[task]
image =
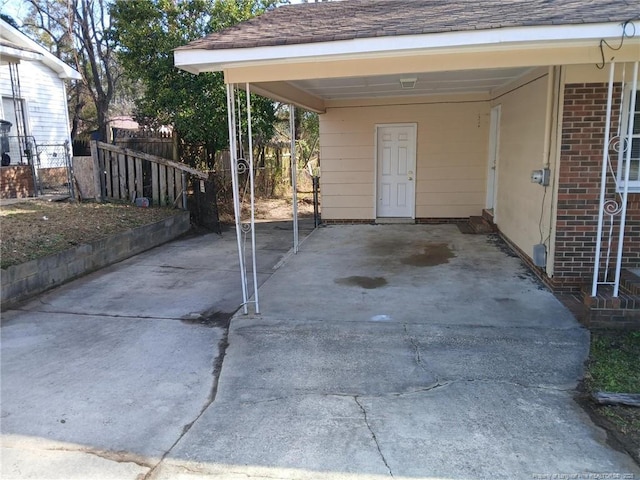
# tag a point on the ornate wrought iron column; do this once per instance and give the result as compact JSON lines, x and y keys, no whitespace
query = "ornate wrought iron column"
{"x":614,"y":207}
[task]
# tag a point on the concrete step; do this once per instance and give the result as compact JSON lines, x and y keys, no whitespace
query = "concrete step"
{"x":481,"y":225}
{"x":605,"y":310}
{"x":487,"y":214}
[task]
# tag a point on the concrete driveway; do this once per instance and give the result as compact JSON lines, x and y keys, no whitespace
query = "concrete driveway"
{"x":400,"y":350}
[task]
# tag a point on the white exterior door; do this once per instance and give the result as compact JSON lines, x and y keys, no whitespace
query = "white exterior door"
{"x":396,"y":167}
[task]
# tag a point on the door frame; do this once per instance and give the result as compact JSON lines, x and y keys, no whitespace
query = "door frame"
{"x":378,"y":126}
{"x":493,"y":158}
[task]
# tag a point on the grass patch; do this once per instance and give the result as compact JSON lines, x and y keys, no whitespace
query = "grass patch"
{"x":37,"y":228}
{"x":614,"y":366}
{"x":614,"y":362}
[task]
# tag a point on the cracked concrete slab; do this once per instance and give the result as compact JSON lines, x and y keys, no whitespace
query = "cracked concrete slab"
{"x":330,"y":430}
{"x":484,"y":429}
{"x":480,"y":285}
{"x":361,"y":358}
{"x":459,"y":370}
{"x":142,"y":286}
{"x":41,"y":464}
{"x":374,"y":357}
{"x":101,"y":377}
{"x":110,"y":383}
{"x":146,"y":291}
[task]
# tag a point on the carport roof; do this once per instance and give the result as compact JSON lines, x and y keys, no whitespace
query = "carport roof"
{"x":319,"y":55}
{"x":357,"y":19}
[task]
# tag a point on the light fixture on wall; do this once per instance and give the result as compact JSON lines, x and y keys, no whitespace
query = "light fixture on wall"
{"x":408,"y":83}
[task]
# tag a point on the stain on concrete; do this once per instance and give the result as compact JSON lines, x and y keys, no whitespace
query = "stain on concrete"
{"x":385,"y":248}
{"x":432,"y":254}
{"x":495,"y":240}
{"x":364,"y":282}
{"x":504,"y":299}
{"x":211,"y":319}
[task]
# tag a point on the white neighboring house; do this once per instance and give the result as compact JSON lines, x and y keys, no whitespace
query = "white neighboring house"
{"x":33,"y":91}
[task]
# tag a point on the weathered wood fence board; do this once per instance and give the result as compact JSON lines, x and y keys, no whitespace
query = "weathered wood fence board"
{"x":160,"y":144}
{"x":125,"y":174}
{"x":610,"y":398}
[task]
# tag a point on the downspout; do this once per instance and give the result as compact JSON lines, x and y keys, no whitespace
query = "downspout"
{"x":556,"y":144}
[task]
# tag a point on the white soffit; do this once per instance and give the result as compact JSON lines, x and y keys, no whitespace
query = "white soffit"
{"x":432,"y":83}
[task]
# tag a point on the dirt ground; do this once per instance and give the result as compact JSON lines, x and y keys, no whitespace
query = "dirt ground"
{"x":621,"y":423}
{"x":613,"y":367}
{"x":36,"y":228}
{"x":270,"y":209}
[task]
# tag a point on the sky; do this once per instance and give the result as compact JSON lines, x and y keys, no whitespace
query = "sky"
{"x":18,"y":8}
{"x":14,"y":8}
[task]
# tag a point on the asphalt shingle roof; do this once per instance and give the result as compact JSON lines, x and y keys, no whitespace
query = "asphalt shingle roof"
{"x":354,"y":19}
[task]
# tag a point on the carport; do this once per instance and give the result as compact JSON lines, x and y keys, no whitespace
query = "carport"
{"x":441,"y":111}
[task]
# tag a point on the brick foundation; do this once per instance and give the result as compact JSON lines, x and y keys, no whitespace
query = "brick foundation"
{"x":583,"y":128}
{"x":16,"y":182}
{"x":346,"y":221}
{"x":425,"y":221}
{"x":440,"y":221}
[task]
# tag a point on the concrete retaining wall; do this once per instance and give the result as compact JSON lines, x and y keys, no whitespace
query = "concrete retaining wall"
{"x":20,"y":282}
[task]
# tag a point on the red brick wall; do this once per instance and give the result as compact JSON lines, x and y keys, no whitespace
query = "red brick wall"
{"x":583,"y":129}
{"x":16,"y":182}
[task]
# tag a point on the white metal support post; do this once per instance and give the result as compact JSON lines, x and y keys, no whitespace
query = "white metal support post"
{"x":251,"y":186}
{"x":603,"y":183}
{"x":627,"y":164}
{"x":294,"y":176}
{"x":236,"y":194}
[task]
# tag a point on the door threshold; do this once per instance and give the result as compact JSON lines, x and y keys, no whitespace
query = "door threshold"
{"x":395,"y":220}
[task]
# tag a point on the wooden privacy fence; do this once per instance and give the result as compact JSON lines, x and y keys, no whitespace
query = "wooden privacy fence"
{"x":125,"y":174}
{"x":161,"y":144}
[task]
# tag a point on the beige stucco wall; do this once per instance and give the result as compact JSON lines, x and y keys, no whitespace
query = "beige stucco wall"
{"x":452,"y":140}
{"x":523,"y":211}
{"x":530,"y":139}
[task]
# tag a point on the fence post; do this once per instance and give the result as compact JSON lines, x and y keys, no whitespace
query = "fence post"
{"x":316,"y":186}
{"x":184,"y":190}
{"x":174,"y":146}
{"x":68,"y":155}
{"x":98,"y":172}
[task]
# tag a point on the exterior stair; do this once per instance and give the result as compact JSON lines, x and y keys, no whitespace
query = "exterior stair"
{"x":477,"y":225}
{"x":607,"y":311}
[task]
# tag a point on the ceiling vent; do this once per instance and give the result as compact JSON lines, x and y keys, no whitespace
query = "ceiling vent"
{"x":408,"y":83}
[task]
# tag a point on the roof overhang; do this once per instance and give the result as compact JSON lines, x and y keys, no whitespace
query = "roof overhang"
{"x":10,"y":53}
{"x":202,"y":60}
{"x":280,"y":71}
{"x":32,"y":51}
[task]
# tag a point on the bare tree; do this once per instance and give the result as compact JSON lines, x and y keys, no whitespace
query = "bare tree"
{"x":79,"y":32}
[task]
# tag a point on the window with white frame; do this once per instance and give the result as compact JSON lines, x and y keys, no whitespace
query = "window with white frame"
{"x":632,"y":143}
